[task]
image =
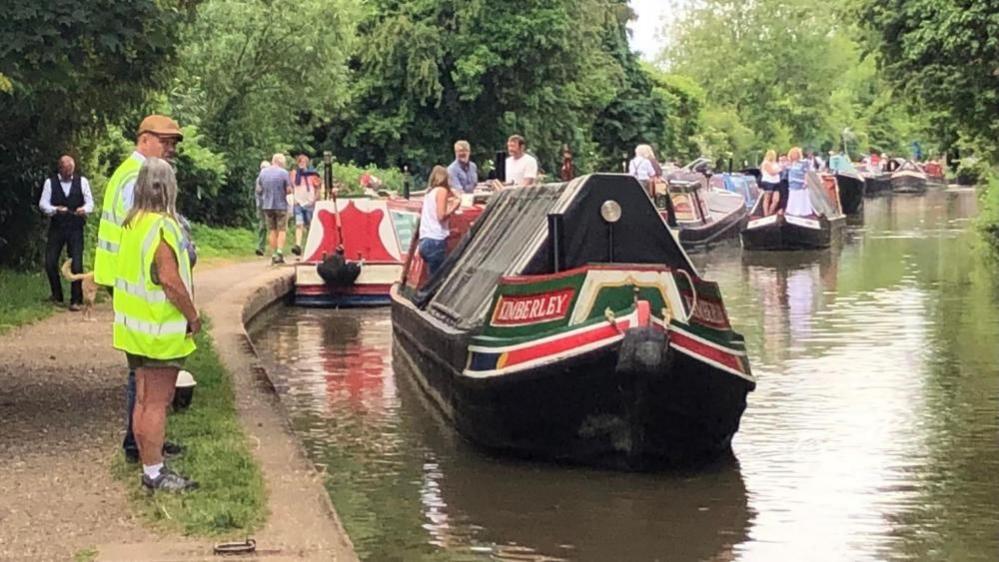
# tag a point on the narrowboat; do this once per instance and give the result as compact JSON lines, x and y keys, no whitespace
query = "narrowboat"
{"x":783,"y":231}
{"x":744,"y":185}
{"x":354,"y":252}
{"x":934,"y":174}
{"x":357,"y":247}
{"x":701,"y":215}
{"x":908,"y":177}
{"x":877,"y":182}
{"x":851,"y":184}
{"x":568,"y":324}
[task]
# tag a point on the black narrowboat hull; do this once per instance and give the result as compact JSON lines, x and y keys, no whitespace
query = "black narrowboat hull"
{"x":876,"y":185}
{"x":582,"y":410}
{"x":908,"y":183}
{"x":851,"y":193}
{"x":780,"y":232}
{"x":695,"y":236}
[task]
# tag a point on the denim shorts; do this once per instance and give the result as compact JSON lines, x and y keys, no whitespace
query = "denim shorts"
{"x":433,"y":253}
{"x":303,"y":215}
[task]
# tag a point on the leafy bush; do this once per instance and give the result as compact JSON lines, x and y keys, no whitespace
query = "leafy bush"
{"x":349,"y":176}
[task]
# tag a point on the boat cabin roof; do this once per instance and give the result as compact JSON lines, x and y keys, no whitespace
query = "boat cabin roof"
{"x":512,"y":238}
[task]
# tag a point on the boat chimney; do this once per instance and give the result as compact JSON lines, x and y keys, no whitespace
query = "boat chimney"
{"x":500,"y":167}
{"x":328,"y":173}
{"x":556,"y":245}
{"x":405,"y":181}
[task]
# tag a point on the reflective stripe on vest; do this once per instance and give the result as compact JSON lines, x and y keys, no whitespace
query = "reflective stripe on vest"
{"x":139,"y":290}
{"x":112,"y":215}
{"x":107,"y":246}
{"x":146,"y":322}
{"x":151,"y":329}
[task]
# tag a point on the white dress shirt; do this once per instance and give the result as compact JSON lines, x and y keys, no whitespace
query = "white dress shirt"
{"x":45,"y":201}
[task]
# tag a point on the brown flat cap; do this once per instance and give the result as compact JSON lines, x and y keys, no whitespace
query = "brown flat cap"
{"x":160,"y":125}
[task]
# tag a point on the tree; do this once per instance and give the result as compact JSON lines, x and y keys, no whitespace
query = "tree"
{"x":684,"y":102}
{"x":255,"y":77}
{"x":942,"y":54}
{"x":69,"y":69}
{"x":636,"y":114}
{"x":776,"y":68}
{"x":429,"y":72}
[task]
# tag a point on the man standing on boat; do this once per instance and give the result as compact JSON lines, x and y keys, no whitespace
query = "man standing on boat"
{"x":462,"y":173}
{"x":521,"y":167}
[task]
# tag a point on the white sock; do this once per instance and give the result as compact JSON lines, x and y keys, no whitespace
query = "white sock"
{"x":152,"y":471}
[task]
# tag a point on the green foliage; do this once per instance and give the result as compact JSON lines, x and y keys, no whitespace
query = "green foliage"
{"x":201,"y":174}
{"x":70,"y":69}
{"x":22,"y":298}
{"x":427,"y":73}
{"x":86,"y":555}
{"x":255,"y":77}
{"x":636,"y":114}
{"x":784,"y":73}
{"x":943,"y":55}
{"x":231,"y":497}
{"x":223,"y":242}
{"x":684,"y":103}
{"x":349,"y":177}
{"x":988,"y":220}
{"x":723,"y":135}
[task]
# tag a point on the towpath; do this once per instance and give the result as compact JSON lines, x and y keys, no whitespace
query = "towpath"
{"x":61,"y":393}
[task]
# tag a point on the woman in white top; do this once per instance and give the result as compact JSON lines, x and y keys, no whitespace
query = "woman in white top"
{"x":641,"y":165}
{"x":799,"y":202}
{"x":438,"y":206}
{"x":770,"y":182}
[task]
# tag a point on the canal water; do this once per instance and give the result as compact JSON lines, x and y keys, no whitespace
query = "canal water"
{"x":873,"y":433}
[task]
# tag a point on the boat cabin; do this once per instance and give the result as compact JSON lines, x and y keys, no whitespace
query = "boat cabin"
{"x":542,"y":230}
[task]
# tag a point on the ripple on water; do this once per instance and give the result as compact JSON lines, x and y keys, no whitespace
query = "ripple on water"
{"x":871,"y":434}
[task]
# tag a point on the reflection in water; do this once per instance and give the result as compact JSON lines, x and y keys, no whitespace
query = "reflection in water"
{"x":872,"y":433}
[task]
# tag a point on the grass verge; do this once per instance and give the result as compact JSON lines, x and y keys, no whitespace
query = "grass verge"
{"x":231,"y":499}
{"x":22,"y":298}
{"x":223,"y":242}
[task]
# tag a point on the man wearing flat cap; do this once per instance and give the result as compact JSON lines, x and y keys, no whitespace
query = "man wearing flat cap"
{"x":157,"y":137}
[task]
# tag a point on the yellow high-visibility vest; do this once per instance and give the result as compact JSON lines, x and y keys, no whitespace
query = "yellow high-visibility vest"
{"x":146,"y":323}
{"x":112,"y":215}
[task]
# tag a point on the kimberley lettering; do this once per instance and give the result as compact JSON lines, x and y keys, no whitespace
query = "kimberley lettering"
{"x":529,"y":309}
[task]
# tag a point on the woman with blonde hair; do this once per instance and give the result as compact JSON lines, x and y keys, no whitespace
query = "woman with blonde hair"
{"x":154,"y":314}
{"x":799,"y":202}
{"x":438,"y":206}
{"x":644,"y":166}
{"x":770,"y":182}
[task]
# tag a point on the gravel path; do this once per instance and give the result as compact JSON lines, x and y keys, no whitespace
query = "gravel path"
{"x":61,"y":408}
{"x":61,"y":397}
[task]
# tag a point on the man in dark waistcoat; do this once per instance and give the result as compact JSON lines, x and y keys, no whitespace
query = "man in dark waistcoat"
{"x":67,"y":200}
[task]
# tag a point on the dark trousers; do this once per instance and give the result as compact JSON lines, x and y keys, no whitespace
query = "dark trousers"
{"x":70,"y":238}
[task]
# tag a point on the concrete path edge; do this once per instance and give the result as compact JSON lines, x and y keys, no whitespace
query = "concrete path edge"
{"x":303,"y":521}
